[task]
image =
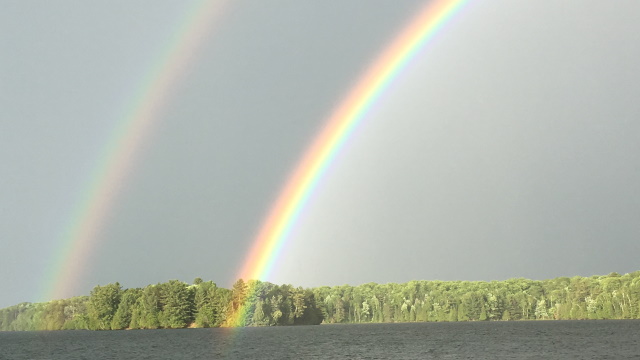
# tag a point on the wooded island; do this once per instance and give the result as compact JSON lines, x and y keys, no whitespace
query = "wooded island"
{"x":176,"y":304}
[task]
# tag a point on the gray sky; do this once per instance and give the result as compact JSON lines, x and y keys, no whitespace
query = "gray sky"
{"x":509,"y":147}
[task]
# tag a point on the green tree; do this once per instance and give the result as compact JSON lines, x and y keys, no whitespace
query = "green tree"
{"x":177,"y":307}
{"x":483,"y":314}
{"x":260,"y":317}
{"x":122,"y":318}
{"x":103,"y":304}
{"x":52,"y":316}
{"x":236,"y":312}
{"x":205,"y":305}
{"x":150,"y":308}
{"x":299,"y":303}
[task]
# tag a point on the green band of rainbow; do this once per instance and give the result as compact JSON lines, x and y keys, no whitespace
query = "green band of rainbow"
{"x":340,"y":126}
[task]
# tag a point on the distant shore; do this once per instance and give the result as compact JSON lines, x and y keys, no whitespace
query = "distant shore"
{"x":176,"y":304}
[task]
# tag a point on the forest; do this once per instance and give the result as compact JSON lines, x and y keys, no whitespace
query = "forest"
{"x":176,"y":304}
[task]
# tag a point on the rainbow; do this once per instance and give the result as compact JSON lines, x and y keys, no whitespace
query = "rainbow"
{"x":339,"y":127}
{"x":80,"y":238}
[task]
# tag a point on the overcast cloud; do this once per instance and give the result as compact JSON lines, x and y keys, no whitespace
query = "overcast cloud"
{"x":509,"y":147}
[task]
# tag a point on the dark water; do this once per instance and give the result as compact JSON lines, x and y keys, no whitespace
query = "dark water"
{"x":490,"y":340}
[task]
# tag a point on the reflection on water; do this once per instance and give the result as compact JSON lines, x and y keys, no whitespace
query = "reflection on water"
{"x":503,"y":340}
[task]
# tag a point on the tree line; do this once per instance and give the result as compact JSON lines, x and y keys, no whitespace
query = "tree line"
{"x":612,"y":296}
{"x":176,"y":304}
{"x":170,"y":305}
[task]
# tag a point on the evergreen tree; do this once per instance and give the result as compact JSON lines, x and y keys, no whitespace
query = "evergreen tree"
{"x":177,"y":307}
{"x":205,"y":304}
{"x":122,"y":318}
{"x":103,"y":303}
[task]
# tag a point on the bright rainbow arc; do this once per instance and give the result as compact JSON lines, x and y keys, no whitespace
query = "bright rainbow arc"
{"x":340,"y":126}
{"x":118,"y":158}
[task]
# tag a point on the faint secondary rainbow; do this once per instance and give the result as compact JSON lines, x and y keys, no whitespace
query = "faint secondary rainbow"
{"x":339,"y":127}
{"x":80,"y":238}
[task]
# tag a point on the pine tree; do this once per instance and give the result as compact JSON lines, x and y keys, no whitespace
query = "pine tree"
{"x":176,"y":312}
{"x":103,"y":303}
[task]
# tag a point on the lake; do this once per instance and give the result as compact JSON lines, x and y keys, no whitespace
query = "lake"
{"x":602,"y":339}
